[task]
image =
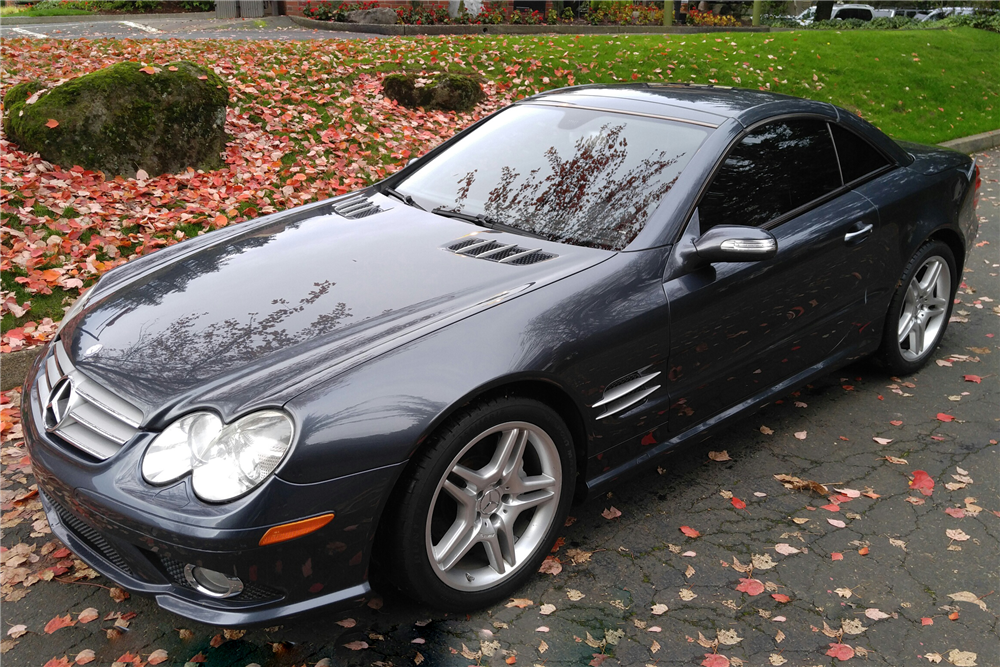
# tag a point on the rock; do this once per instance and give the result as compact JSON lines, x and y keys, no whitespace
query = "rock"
{"x":122,"y":118}
{"x":377,"y":16}
{"x":451,"y":92}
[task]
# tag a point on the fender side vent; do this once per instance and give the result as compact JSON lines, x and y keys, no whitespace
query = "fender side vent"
{"x":356,"y":206}
{"x":626,"y":392}
{"x":501,"y":253}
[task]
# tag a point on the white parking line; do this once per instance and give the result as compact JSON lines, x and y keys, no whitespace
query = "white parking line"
{"x":28,"y":32}
{"x":139,"y":26}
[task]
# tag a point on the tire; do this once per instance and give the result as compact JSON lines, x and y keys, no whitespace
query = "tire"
{"x":919,"y":311}
{"x":481,"y":506}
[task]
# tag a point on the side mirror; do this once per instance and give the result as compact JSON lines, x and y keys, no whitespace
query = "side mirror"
{"x":732,"y":243}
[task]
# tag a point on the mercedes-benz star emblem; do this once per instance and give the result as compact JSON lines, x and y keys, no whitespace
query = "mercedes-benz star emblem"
{"x":61,"y":403}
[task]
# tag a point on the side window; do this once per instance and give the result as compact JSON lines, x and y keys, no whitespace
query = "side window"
{"x":773,"y":170}
{"x":857,"y":157}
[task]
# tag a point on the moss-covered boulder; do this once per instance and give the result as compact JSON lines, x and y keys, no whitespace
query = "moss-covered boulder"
{"x":126,"y":117}
{"x":451,"y":92}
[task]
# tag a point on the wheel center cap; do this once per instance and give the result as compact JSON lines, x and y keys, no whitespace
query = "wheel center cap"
{"x":490,"y":502}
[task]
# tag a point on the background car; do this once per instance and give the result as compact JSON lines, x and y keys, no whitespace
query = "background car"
{"x":843,"y":12}
{"x":420,"y":377}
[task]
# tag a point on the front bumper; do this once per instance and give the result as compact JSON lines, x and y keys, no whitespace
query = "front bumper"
{"x":141,"y":537}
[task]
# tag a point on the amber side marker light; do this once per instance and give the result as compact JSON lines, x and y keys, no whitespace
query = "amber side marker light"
{"x":289,"y":531}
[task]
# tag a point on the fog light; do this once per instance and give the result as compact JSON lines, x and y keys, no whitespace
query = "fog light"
{"x":212,"y":583}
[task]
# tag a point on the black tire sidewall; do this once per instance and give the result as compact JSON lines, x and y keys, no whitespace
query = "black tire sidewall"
{"x":414,"y":573}
{"x":889,"y":353}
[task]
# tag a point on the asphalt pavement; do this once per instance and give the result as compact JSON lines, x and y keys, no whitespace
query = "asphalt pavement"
{"x":181,"y":27}
{"x":875,"y":571}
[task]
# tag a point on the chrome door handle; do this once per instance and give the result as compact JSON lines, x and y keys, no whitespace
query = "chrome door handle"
{"x":859,"y":234}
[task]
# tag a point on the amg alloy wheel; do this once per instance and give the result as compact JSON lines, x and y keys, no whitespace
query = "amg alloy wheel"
{"x":920,"y":308}
{"x":482,"y":505}
{"x":494,"y":505}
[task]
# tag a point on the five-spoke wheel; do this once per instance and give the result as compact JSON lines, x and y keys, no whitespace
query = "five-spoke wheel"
{"x":494,"y":506}
{"x":920,"y":308}
{"x":482,"y":504}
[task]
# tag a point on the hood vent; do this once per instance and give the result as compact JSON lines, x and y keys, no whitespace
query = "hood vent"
{"x":625,"y":392}
{"x":501,"y":253}
{"x":356,"y":206}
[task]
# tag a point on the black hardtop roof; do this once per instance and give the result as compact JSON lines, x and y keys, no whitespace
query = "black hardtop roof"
{"x":721,"y":101}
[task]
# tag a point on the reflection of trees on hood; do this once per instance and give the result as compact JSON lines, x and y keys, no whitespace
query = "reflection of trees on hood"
{"x":587,"y":199}
{"x":191,"y":348}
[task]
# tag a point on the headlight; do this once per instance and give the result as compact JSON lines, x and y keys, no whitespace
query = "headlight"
{"x":225,"y":461}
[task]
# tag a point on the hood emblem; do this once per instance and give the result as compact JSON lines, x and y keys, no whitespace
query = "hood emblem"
{"x":62,"y":401}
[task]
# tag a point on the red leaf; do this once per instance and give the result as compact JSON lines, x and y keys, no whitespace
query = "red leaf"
{"x":836,"y":555}
{"x":896,"y":422}
{"x":738,"y":504}
{"x":840,"y":651}
{"x":690,"y":532}
{"x":832,"y":507}
{"x":58,"y":662}
{"x":942,"y":417}
{"x":612,"y":513}
{"x":922,"y":482}
{"x":956,"y":512}
{"x":60,"y":553}
{"x":781,"y":597}
{"x":750,"y":586}
{"x":715,"y":660}
{"x":863,"y":551}
{"x":926,"y":621}
{"x":52,"y":123}
{"x":59,"y":622}
{"x":973,"y":378}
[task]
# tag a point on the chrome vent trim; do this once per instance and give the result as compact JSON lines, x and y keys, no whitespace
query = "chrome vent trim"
{"x":356,"y":206}
{"x":501,"y":253}
{"x":84,"y":413}
{"x":626,"y":392}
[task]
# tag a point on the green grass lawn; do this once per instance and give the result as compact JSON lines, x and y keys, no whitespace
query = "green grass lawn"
{"x":925,"y":86}
{"x":44,"y":11}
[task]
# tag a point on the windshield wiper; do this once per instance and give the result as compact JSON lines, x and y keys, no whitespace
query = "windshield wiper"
{"x":406,"y":199}
{"x":484,"y":221}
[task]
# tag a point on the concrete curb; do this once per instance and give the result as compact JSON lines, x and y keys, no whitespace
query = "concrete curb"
{"x":14,"y":366}
{"x":105,"y":18}
{"x":513,"y":29}
{"x":975,"y":143}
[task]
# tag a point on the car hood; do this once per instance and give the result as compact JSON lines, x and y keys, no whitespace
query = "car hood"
{"x":240,"y":321}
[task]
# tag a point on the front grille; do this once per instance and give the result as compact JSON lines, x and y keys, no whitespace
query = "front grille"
{"x":82,"y":412}
{"x":252,"y":591}
{"x":356,"y":206}
{"x":89,"y":535}
{"x":501,"y":253}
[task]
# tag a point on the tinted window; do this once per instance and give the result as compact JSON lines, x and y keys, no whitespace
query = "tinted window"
{"x":857,"y":157}
{"x":577,"y":176}
{"x":775,"y":169}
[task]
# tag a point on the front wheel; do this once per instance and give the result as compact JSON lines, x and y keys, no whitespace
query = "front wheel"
{"x":482,"y":505}
{"x":920,"y":308}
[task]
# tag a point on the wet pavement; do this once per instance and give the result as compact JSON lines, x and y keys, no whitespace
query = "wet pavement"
{"x":182,"y":27}
{"x":873,"y":571}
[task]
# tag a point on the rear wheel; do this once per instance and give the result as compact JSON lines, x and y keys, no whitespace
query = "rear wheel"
{"x":482,"y":505}
{"x":919,"y":311}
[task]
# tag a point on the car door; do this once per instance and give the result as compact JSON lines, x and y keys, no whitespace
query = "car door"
{"x":738,"y":329}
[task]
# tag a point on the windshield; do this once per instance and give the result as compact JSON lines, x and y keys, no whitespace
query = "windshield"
{"x":578,"y":176}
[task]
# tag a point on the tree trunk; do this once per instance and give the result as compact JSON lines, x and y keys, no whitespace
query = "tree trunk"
{"x":824,"y":10}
